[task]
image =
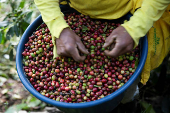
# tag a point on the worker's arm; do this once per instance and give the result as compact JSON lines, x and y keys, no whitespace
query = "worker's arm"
{"x":144,"y":17}
{"x":67,"y":41}
{"x":127,"y":37}
{"x":52,"y":16}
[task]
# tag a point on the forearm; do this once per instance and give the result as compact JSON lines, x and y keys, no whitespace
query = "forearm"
{"x":52,"y":16}
{"x":143,"y":18}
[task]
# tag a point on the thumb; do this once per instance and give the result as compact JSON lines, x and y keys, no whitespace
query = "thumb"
{"x":82,"y":48}
{"x":109,"y":41}
{"x":115,"y":52}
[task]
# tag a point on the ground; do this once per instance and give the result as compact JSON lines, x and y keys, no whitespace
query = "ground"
{"x":154,"y":97}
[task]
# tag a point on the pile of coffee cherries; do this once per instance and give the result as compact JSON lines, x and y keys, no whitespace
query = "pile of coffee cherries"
{"x":62,"y":79}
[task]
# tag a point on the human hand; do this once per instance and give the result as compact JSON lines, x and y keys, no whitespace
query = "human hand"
{"x":69,"y":43}
{"x":119,"y":41}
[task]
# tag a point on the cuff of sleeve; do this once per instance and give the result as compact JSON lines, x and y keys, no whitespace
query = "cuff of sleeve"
{"x":132,"y":34}
{"x":56,"y":26}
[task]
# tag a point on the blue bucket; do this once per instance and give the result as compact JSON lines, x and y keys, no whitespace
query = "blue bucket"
{"x":102,"y":105}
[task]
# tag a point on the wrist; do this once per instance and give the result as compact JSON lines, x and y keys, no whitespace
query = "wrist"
{"x":130,"y":31}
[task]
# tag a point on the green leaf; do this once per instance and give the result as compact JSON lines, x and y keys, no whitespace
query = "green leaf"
{"x":16,"y":30}
{"x":22,"y":106}
{"x":148,"y":110}
{"x":23,"y":26}
{"x":0,"y":37}
{"x":16,"y":108}
{"x":84,"y":28}
{"x":97,"y":86}
{"x":136,"y":63}
{"x":11,"y":109}
{"x":28,"y":17}
{"x":105,"y":29}
{"x":74,"y":99}
{"x":10,"y":33}
{"x":102,"y":66}
{"x":22,"y":3}
{"x":103,"y":34}
{"x":3,"y":23}
{"x":148,"y":107}
{"x":33,"y":102}
{"x":3,"y":74}
{"x":11,"y":55}
{"x":3,"y":36}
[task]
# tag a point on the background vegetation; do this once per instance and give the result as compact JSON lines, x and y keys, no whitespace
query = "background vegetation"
{"x":15,"y":16}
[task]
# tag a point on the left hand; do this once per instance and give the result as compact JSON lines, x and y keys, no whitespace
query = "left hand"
{"x":119,"y":41}
{"x":69,"y":44}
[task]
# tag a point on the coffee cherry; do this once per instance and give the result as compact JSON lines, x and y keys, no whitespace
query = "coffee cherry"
{"x":61,"y":78}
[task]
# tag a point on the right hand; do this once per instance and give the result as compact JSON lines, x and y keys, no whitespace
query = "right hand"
{"x":69,"y":43}
{"x":123,"y":42}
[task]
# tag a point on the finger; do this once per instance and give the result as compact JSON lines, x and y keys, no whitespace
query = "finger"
{"x":75,"y":54}
{"x":115,"y":52}
{"x":109,"y":41}
{"x":112,"y":46}
{"x":58,"y":45}
{"x":82,"y":48}
{"x":61,"y":51}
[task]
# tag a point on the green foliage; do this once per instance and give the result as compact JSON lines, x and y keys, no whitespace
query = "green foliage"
{"x":105,"y":29}
{"x":148,"y":107}
{"x":16,"y":15}
{"x":84,"y":28}
{"x":28,"y":104}
{"x":15,"y":21}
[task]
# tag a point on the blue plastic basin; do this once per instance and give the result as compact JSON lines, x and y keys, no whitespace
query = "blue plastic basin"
{"x":103,"y":105}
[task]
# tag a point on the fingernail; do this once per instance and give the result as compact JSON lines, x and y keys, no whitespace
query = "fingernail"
{"x":87,"y":51}
{"x":104,"y":45}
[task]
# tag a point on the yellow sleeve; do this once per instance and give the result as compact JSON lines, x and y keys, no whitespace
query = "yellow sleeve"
{"x":143,"y":19}
{"x":53,"y":17}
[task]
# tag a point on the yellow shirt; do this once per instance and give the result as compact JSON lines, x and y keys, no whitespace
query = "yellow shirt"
{"x":138,"y":26}
{"x":103,"y":9}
